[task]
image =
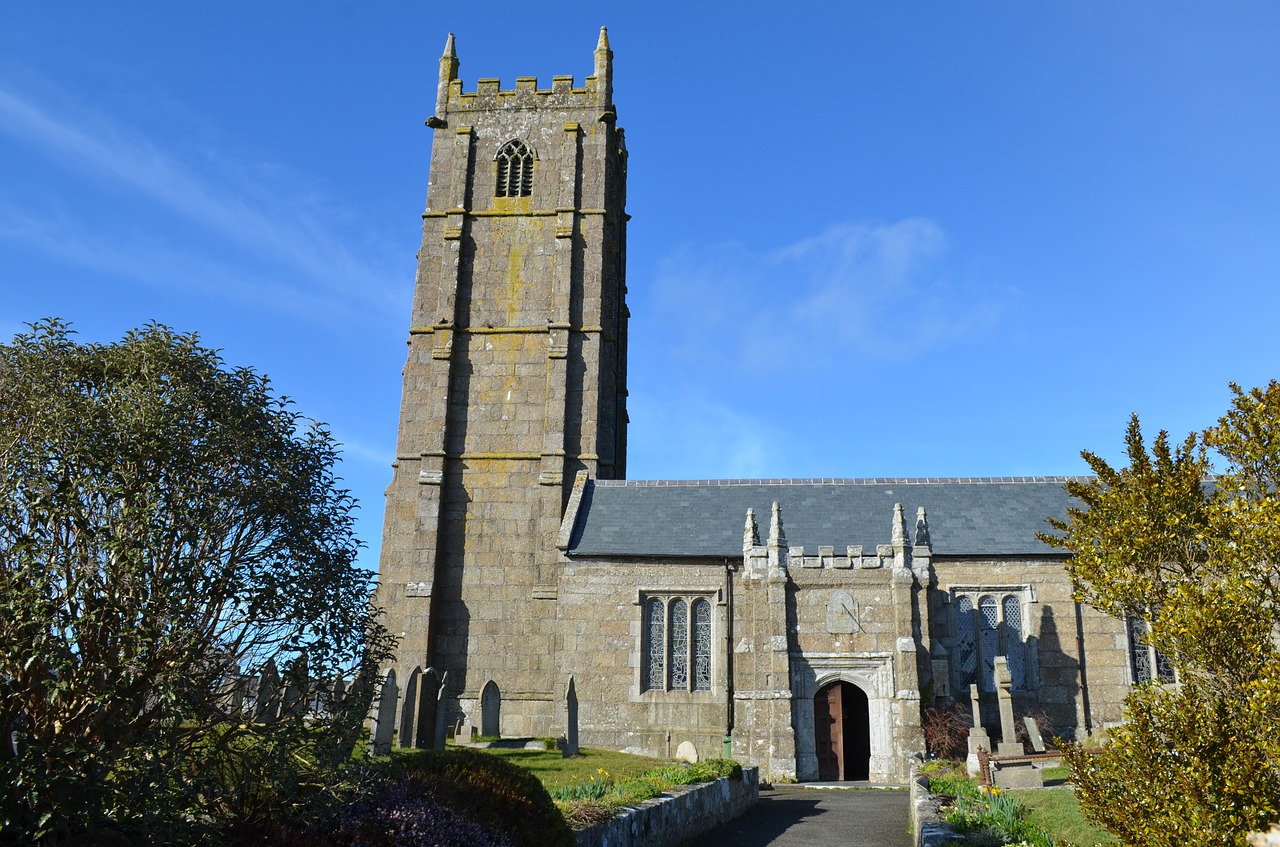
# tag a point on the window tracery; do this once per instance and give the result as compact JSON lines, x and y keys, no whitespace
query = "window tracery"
{"x":988,"y":624}
{"x":1146,"y":663}
{"x":676,"y":644}
{"x":515,"y":169}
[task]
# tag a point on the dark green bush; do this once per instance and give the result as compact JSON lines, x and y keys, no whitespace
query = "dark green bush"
{"x":490,"y":790}
{"x":381,"y":801}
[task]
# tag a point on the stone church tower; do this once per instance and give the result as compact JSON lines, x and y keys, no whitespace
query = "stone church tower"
{"x":515,"y":382}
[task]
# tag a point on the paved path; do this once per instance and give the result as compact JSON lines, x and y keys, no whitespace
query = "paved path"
{"x":794,"y":816}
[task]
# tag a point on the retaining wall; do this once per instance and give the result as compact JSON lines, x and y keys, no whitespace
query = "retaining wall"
{"x":926,"y":819}
{"x":685,"y":812}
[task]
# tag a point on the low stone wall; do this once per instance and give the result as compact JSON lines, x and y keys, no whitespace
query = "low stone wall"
{"x":926,"y":819}
{"x":686,"y":812}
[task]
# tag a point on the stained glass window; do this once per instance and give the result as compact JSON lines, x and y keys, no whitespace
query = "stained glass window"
{"x":701,"y":645}
{"x":1146,"y":662}
{"x":655,"y":645}
{"x":966,"y":654}
{"x":992,"y":629}
{"x":679,"y":645}
{"x":1011,"y":635}
{"x":988,"y":627}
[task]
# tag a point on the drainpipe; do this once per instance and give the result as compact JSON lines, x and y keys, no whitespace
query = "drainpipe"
{"x":728,"y":660}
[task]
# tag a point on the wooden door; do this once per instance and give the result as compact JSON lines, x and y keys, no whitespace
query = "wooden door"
{"x":828,"y":732}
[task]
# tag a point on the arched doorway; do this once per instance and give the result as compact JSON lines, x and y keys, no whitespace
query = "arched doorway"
{"x":842,"y":732}
{"x":490,"y":710}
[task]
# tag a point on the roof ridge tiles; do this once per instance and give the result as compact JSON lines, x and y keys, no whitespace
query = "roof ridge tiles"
{"x":814,"y":481}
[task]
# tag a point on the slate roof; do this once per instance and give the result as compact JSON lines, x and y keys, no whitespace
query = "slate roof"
{"x":997,"y":516}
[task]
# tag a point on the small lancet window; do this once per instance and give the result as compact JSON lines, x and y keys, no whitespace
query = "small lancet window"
{"x":515,"y":169}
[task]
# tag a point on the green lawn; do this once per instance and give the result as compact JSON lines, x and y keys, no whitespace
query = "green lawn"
{"x":553,"y":771}
{"x":1056,"y":811}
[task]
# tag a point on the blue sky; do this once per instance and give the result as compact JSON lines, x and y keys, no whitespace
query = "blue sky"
{"x":876,"y":239}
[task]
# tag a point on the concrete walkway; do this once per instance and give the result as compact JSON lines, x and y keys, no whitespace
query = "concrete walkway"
{"x":801,"y":816}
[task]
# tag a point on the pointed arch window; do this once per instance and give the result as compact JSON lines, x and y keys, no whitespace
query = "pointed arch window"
{"x":515,"y":169}
{"x":676,"y":644}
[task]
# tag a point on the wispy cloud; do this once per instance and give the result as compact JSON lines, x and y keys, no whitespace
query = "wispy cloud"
{"x":735,"y":349}
{"x":354,"y":449}
{"x":156,"y":262}
{"x":233,"y":202}
{"x":878,"y":291}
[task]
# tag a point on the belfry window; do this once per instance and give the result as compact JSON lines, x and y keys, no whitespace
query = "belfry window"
{"x":515,"y":169}
{"x":1146,"y":663}
{"x":985,"y":629}
{"x":676,"y":643}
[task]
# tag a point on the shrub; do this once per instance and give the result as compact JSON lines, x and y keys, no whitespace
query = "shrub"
{"x":488,"y":788}
{"x":457,"y":797}
{"x":946,"y":730}
{"x":408,"y":814}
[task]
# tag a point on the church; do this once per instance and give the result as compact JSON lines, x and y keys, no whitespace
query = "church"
{"x":801,"y":625}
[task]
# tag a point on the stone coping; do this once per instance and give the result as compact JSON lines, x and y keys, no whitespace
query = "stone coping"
{"x":677,"y":816}
{"x":930,"y":829}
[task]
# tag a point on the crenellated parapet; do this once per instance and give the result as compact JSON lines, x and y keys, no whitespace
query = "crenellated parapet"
{"x":596,"y":90}
{"x":775,"y":557}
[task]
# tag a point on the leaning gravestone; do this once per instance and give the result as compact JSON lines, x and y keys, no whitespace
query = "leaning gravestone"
{"x":1033,"y":732}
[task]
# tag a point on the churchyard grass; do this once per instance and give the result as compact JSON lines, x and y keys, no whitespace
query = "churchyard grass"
{"x":1057,"y":811}
{"x":595,"y":784}
{"x":554,"y":771}
{"x":1032,"y":816}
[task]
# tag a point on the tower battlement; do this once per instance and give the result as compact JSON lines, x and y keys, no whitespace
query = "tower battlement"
{"x":489,"y":94}
{"x":597,"y":89}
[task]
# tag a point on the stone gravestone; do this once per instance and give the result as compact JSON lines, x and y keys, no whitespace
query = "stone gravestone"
{"x":441,"y":729}
{"x":336,"y":695}
{"x":686,"y":752}
{"x":294,"y":701}
{"x":268,"y":706}
{"x":407,"y":714}
{"x":1033,"y":732}
{"x":428,"y":698}
{"x":569,"y":747}
{"x":1011,"y":774}
{"x":384,"y":723}
{"x":1009,"y":745}
{"x":977,"y":735}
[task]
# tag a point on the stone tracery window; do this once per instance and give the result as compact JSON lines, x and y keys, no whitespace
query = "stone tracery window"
{"x":515,"y":169}
{"x":985,"y":629}
{"x":655,"y":643}
{"x":701,"y":645}
{"x":676,"y":644}
{"x":1146,"y":663}
{"x":679,"y":611}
